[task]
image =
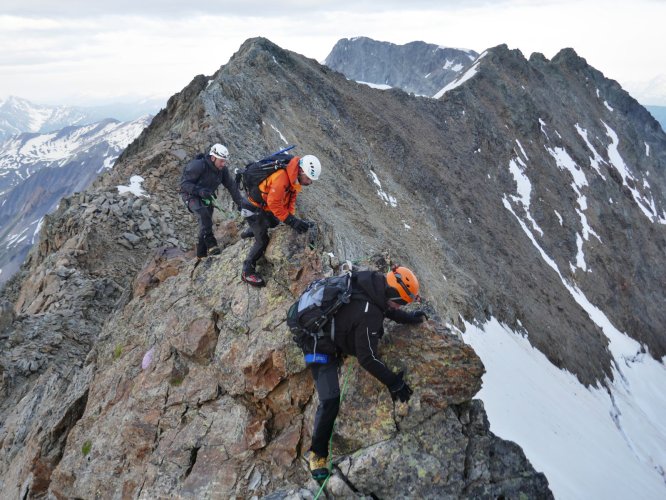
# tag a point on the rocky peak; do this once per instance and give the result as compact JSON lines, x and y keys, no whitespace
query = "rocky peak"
{"x":417,"y":67}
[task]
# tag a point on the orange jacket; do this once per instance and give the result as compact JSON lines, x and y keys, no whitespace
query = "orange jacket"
{"x":279,"y":190}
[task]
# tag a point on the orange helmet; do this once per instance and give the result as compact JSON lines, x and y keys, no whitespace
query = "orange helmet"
{"x":403,"y":285}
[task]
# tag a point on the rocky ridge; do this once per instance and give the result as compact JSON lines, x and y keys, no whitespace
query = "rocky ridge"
{"x":569,"y":154}
{"x":194,"y":388}
{"x":191,"y":384}
{"x":223,"y":404}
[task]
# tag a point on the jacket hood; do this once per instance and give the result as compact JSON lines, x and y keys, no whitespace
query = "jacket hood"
{"x":373,"y":285}
{"x":292,"y":170}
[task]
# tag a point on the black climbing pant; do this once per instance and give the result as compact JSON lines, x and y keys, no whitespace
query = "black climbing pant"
{"x":328,"y":388}
{"x":260,"y":223}
{"x":204,"y":216}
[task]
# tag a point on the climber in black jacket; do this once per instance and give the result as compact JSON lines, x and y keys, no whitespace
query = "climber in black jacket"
{"x":201,"y":178}
{"x":358,"y":328}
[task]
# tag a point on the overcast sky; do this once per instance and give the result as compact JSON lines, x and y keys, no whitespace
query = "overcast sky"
{"x":80,"y":52}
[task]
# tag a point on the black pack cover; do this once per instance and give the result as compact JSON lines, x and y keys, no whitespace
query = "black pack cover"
{"x":254,"y":173}
{"x":315,"y":307}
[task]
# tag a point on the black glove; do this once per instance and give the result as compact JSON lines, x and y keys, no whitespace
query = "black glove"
{"x":299,"y":225}
{"x":417,"y":317}
{"x":406,"y":317}
{"x":400,"y":390}
{"x":204,"y":193}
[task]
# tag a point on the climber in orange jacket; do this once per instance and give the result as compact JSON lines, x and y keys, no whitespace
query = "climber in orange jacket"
{"x":275,"y":202}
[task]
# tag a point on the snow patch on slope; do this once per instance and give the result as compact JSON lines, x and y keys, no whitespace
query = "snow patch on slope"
{"x":586,"y":440}
{"x":388,"y":199}
{"x":596,"y":437}
{"x":644,"y":202}
{"x":134,"y":187}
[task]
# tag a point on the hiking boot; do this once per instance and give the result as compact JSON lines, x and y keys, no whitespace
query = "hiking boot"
{"x":201,"y":251}
{"x":318,"y":466}
{"x":248,"y":233}
{"x":210,"y":241}
{"x":214,"y":250}
{"x":252,"y":278}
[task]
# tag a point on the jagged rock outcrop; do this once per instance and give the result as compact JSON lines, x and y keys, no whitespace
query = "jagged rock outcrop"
{"x":417,"y":67}
{"x":223,"y":404}
{"x":200,"y":392}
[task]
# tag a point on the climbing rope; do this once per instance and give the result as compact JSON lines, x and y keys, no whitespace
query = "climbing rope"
{"x":225,"y":213}
{"x":345,"y":381}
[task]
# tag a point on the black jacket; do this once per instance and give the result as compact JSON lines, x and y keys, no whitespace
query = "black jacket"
{"x":359,"y":324}
{"x":200,"y":173}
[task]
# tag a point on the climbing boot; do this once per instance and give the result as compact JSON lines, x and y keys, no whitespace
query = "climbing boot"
{"x":318,"y":466}
{"x":202,"y":251}
{"x":248,"y":233}
{"x":211,"y":244}
{"x":252,"y":278}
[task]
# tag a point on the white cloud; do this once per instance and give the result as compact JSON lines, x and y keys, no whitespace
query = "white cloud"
{"x":175,"y":8}
{"x":56,"y":52}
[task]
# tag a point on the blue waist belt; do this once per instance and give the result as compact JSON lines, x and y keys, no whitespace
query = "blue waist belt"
{"x":316,"y":358}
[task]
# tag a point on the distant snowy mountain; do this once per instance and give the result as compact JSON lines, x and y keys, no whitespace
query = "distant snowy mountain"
{"x":417,"y":67}
{"x":19,"y":115}
{"x":37,"y":170}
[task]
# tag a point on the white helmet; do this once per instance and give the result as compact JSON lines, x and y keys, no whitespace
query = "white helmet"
{"x":219,"y":151}
{"x":311,"y":166}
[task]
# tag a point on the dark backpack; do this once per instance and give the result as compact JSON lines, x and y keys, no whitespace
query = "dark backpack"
{"x":308,"y":316}
{"x":256,"y":172}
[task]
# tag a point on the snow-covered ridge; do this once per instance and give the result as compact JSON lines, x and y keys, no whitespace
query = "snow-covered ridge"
{"x":20,"y":115}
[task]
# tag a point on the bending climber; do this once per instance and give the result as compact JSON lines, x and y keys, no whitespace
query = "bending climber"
{"x":358,"y":328}
{"x":201,"y":178}
{"x":277,"y":204}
